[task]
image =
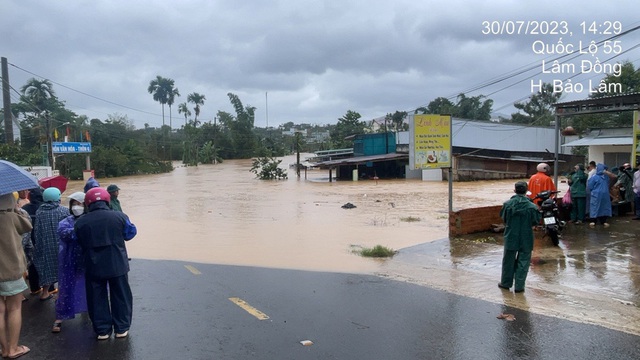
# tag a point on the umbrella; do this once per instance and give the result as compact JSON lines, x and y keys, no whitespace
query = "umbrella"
{"x":59,"y":182}
{"x":14,"y":178}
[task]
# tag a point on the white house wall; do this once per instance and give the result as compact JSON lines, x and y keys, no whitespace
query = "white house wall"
{"x":596,"y":152}
{"x":497,"y":136}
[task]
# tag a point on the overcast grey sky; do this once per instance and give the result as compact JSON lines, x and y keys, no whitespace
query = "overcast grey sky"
{"x":315,"y":59}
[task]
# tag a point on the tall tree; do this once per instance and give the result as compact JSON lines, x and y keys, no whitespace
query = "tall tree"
{"x":197,"y":100}
{"x":474,"y":108}
{"x":347,"y":125}
{"x":160,"y":88}
{"x":40,"y":100}
{"x":539,"y":108}
{"x":38,"y":93}
{"x":184,"y":109}
{"x":171,"y":96}
{"x":441,"y":105}
{"x":628,"y":79}
{"x":243,"y":137}
{"x":397,"y":120}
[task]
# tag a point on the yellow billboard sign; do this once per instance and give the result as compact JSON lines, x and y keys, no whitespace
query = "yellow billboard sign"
{"x":431,"y":138}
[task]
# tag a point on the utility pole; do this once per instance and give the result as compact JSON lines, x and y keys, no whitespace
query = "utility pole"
{"x":6,"y":100}
{"x":47,"y":120}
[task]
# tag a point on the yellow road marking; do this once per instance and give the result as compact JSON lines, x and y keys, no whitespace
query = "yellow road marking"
{"x":193,"y":270}
{"x":248,"y":308}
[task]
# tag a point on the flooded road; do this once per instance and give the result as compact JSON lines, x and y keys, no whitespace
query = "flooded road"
{"x":222,"y":214}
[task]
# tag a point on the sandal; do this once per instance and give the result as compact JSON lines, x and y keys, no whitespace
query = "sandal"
{"x":24,"y":351}
{"x":57,"y":327}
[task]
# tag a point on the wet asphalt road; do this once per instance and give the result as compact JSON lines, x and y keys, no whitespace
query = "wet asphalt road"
{"x":183,"y":311}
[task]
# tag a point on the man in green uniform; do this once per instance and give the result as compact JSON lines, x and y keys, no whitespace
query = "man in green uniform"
{"x":114,"y":191}
{"x":519,"y":215}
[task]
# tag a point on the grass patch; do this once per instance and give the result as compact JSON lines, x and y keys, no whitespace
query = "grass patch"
{"x":410,"y":219}
{"x":377,"y":251}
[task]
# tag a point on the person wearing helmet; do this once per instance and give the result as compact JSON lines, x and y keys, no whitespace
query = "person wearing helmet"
{"x":72,"y":297}
{"x":13,"y":264}
{"x":48,"y":216}
{"x":624,"y":182}
{"x":101,"y":234}
{"x":519,"y":215}
{"x":541,"y":181}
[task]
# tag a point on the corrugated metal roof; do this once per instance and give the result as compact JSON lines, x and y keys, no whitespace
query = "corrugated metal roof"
{"x":361,"y":160}
{"x":587,"y":141}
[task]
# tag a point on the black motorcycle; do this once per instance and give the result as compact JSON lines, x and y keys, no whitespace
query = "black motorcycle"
{"x":550,"y":215}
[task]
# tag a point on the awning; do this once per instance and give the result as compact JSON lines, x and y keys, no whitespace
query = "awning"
{"x":588,"y":141}
{"x":358,"y":160}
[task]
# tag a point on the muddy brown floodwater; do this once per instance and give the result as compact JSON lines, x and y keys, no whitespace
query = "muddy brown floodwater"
{"x":222,"y":214}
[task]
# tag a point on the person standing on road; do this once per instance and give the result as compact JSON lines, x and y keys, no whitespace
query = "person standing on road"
{"x":600,"y":202}
{"x":636,"y":190}
{"x":72,"y":297}
{"x":46,"y":246}
{"x":541,"y":181}
{"x":625,"y":183}
{"x":90,"y":184}
{"x":35,"y":200}
{"x":13,"y":264}
{"x":101,"y":234}
{"x":519,"y":215}
{"x":578,"y":188}
{"x":114,"y":191}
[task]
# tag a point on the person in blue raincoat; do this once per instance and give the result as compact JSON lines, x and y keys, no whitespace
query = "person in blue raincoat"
{"x":72,"y":298}
{"x":600,"y":201}
{"x":519,"y":215}
{"x":90,"y":184}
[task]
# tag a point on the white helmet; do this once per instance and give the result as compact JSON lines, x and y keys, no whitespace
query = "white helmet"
{"x":543,"y":167}
{"x":77,"y":196}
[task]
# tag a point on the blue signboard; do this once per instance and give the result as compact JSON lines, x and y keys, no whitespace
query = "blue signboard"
{"x":71,"y":147}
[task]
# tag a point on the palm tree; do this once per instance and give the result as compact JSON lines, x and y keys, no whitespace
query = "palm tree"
{"x":197,"y":100}
{"x":171,"y":95}
{"x":39,"y":96}
{"x":158,"y":87}
{"x":184,"y":109}
{"x":37,"y":93}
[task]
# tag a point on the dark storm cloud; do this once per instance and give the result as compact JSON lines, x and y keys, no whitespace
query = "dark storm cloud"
{"x":315,"y":59}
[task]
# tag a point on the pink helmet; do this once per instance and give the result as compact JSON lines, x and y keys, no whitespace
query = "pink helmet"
{"x":96,"y":194}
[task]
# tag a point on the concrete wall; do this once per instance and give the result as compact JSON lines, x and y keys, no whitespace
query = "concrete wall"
{"x":469,"y":221}
{"x":596,"y":152}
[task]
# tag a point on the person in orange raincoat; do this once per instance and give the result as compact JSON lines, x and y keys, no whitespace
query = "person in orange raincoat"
{"x":541,"y":181}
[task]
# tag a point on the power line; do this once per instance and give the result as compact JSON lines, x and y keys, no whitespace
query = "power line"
{"x":527,"y":68}
{"x":86,"y":94}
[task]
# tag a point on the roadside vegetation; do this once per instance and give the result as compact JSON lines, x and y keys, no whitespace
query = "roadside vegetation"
{"x":119,"y":149}
{"x":267,"y":168}
{"x":410,"y":219}
{"x":377,"y":251}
